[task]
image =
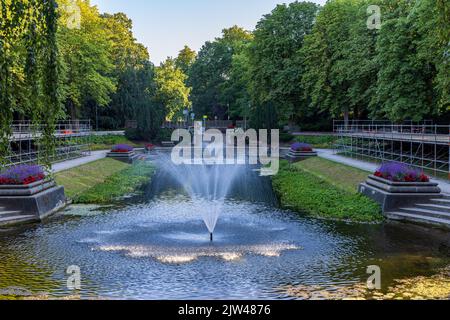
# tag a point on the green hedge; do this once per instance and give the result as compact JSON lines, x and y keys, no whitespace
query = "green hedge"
{"x":304,"y":192}
{"x":321,"y":142}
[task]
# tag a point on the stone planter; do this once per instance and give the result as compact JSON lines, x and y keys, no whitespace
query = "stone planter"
{"x":33,"y":202}
{"x":26,"y":190}
{"x":392,"y":195}
{"x":127,"y":157}
{"x":295,"y":156}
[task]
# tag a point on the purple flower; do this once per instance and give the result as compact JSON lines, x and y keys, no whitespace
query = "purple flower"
{"x":298,"y":146}
{"x":122,"y":148}
{"x":396,"y":171}
{"x":22,"y":174}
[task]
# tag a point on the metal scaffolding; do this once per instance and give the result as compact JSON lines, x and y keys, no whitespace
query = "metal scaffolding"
{"x":72,"y":141}
{"x":422,"y":145}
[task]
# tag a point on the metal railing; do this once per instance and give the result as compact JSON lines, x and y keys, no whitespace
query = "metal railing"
{"x":420,"y":144}
{"x":28,"y":129}
{"x":72,"y":141}
{"x":211,"y":124}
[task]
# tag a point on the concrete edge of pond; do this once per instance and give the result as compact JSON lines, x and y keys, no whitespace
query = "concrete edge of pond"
{"x":20,"y":209}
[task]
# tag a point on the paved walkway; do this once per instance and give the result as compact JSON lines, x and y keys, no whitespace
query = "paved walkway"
{"x":69,"y":164}
{"x":370,"y":167}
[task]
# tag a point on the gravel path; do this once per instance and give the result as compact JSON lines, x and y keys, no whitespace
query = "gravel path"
{"x":69,"y":164}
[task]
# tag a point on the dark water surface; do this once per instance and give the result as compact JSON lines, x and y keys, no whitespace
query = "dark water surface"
{"x":160,"y":249}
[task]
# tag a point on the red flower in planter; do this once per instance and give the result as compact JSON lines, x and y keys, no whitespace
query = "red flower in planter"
{"x":424,"y":178}
{"x":150,"y":147}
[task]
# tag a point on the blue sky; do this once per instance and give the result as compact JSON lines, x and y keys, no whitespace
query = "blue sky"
{"x":165,"y":26}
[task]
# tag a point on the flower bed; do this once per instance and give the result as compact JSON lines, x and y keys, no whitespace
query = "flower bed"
{"x":301,"y":147}
{"x":399,"y":172}
{"x":22,"y":175}
{"x":122,"y":148}
{"x":149,"y":147}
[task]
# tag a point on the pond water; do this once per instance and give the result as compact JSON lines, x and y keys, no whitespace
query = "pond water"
{"x":157,"y":247}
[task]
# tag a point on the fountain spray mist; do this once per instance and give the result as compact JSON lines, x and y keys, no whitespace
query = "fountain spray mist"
{"x":207,"y":185}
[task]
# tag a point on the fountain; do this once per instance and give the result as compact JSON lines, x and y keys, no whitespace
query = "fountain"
{"x":202,"y":182}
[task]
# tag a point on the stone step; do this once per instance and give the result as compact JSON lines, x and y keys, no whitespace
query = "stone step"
{"x":426,"y":212}
{"x":444,"y":201}
{"x":5,"y":214}
{"x":16,"y":220}
{"x":434,"y":207}
{"x":396,"y":215}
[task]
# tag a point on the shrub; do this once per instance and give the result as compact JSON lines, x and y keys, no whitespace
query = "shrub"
{"x":133,"y":134}
{"x":400,"y":172}
{"x":323,"y":142}
{"x":286,"y":137}
{"x":22,"y":175}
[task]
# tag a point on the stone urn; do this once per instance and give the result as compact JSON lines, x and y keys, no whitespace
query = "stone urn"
{"x":31,"y":202}
{"x":123,"y":153}
{"x":300,"y":151}
{"x":392,"y":194}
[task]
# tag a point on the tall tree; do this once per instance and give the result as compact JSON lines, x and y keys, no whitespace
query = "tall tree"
{"x":325,"y":81}
{"x":86,"y":54}
{"x":171,"y":89}
{"x":211,"y":71}
{"x":275,"y":67}
{"x":404,"y":87}
{"x":430,"y":19}
{"x":185,"y":59}
{"x":130,"y":59}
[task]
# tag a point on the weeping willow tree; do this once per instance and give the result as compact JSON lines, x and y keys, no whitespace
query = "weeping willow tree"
{"x":29,"y":77}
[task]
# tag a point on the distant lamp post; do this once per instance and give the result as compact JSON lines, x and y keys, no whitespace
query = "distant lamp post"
{"x":186,"y":114}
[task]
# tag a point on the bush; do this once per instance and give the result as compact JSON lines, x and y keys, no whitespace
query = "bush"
{"x":304,"y":192}
{"x":132,"y":134}
{"x":164,"y":135}
{"x":321,"y":142}
{"x":286,"y":137}
{"x":108,"y":141}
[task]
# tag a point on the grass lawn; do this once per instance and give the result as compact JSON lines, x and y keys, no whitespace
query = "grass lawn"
{"x":339,"y":175}
{"x":102,"y":181}
{"x":325,"y":189}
